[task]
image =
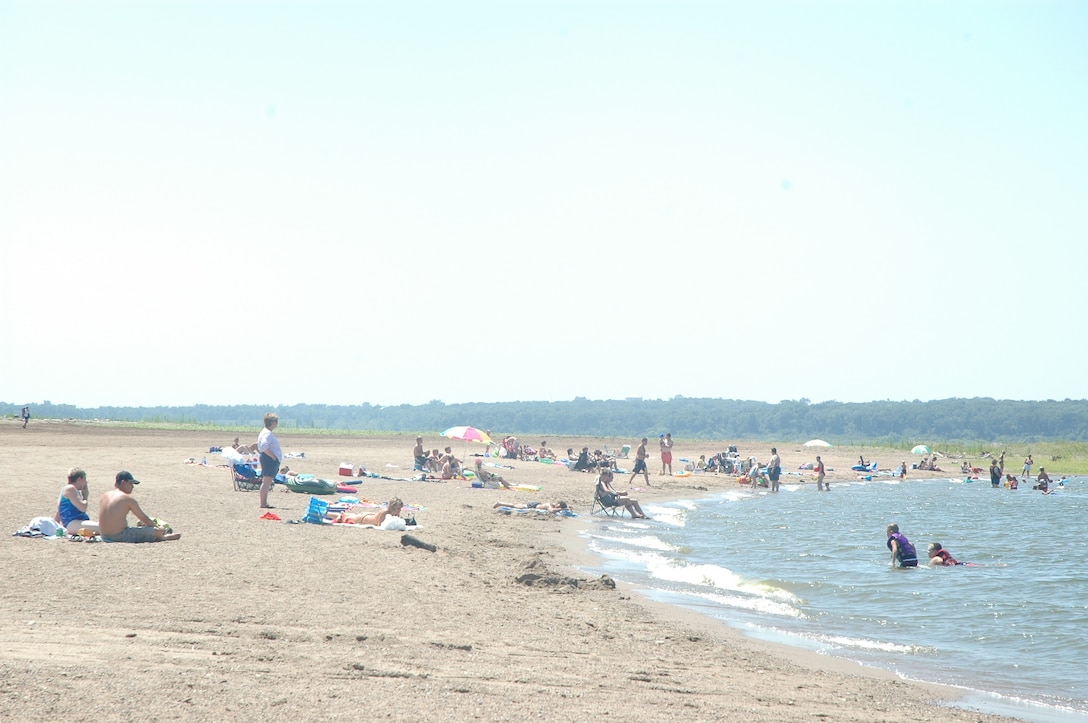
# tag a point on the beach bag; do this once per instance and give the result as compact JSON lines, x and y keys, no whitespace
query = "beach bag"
{"x":315,"y":513}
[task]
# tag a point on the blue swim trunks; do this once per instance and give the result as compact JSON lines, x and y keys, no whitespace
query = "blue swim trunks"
{"x":640,"y":466}
{"x":270,"y":466}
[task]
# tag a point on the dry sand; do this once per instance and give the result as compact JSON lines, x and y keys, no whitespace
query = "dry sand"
{"x":248,"y":619}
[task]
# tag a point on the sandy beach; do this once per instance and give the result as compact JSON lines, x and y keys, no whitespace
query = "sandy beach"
{"x":253,"y":619}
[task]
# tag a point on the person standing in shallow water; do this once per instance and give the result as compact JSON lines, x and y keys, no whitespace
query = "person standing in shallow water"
{"x":271,"y":454}
{"x":774,"y":469}
{"x":821,"y":472}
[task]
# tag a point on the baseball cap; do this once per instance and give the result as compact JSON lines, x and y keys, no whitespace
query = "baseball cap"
{"x":123,"y":476}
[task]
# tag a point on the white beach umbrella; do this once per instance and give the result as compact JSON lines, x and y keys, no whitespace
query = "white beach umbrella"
{"x":817,"y":443}
{"x":920,"y":449}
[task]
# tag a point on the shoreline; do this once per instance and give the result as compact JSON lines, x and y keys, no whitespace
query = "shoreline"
{"x":972,"y":700}
{"x":246,"y":619}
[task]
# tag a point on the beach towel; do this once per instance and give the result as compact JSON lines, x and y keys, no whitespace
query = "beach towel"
{"x":40,"y":527}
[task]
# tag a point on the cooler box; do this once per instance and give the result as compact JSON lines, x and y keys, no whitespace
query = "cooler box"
{"x":347,"y":470}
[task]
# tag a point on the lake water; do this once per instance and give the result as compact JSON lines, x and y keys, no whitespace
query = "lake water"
{"x":812,"y":569}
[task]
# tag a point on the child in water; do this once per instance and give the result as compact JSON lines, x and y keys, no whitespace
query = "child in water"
{"x":903,"y":552}
{"x":940,"y":556}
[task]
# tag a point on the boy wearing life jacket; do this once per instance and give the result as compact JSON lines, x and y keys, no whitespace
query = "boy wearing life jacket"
{"x":902,"y":551}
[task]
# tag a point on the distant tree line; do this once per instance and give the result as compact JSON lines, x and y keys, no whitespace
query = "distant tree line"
{"x":978,"y":419}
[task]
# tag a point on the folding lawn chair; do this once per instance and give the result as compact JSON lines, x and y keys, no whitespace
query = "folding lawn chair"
{"x":614,"y":510}
{"x":244,"y":478}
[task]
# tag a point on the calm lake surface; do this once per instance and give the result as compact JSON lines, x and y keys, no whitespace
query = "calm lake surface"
{"x":812,"y":570}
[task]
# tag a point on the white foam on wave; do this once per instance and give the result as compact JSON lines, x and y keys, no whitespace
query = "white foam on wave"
{"x":648,"y":542}
{"x":760,"y":605}
{"x":714,"y":576}
{"x":668,"y":515}
{"x":866,"y":644}
{"x":736,"y":495}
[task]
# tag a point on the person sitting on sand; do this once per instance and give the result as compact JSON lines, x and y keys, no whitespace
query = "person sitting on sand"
{"x":489,"y":479}
{"x":72,"y":505}
{"x":965,"y":468}
{"x":546,"y":506}
{"x":611,"y":498}
{"x":582,"y":464}
{"x":374,"y":517}
{"x":544,"y":452}
{"x":939,"y":556}
{"x":243,"y":449}
{"x":113,"y":509}
{"x":420,"y":455}
{"x":434,"y":461}
{"x":451,"y":466}
{"x":601,"y":460}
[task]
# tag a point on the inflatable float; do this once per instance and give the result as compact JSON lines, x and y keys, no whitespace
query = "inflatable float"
{"x":309,"y":485}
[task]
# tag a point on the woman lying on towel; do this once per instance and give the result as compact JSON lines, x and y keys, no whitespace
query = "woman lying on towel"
{"x":375,"y":517}
{"x":545,"y":506}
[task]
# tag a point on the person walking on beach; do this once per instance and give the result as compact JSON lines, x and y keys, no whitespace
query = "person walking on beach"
{"x":640,"y":463}
{"x":821,"y":472}
{"x":271,"y":454}
{"x":903,"y":552}
{"x":774,"y":469}
{"x":666,"y":453}
{"x":26,"y":416}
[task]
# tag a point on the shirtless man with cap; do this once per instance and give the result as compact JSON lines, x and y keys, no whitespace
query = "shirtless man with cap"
{"x":113,"y":509}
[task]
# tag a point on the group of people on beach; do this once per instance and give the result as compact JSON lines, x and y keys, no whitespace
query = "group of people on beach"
{"x":114,"y":507}
{"x":445,"y":464}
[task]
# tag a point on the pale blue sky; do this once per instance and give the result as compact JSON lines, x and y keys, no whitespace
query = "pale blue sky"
{"x":541,"y":200}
